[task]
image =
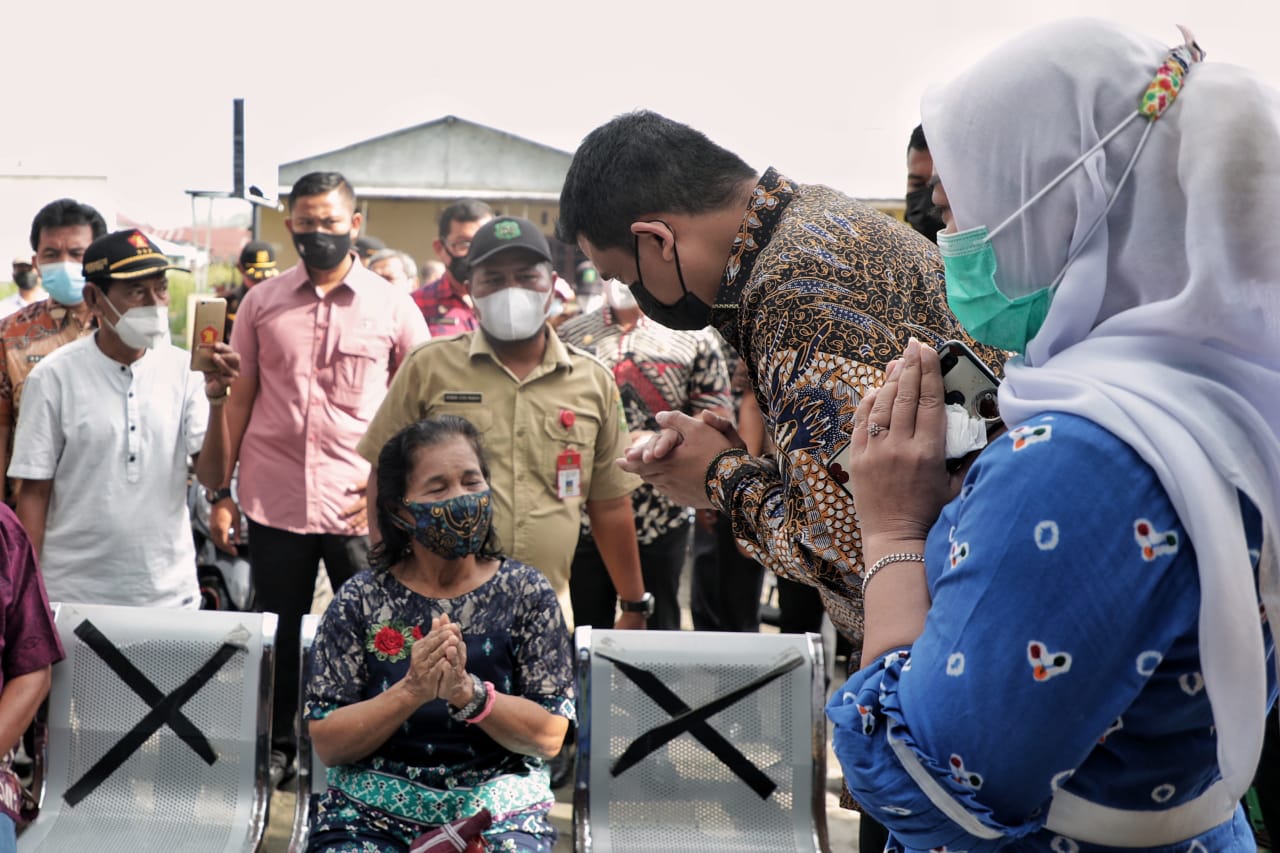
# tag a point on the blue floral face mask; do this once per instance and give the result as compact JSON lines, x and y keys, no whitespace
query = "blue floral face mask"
{"x":453,"y":528}
{"x":970,"y":261}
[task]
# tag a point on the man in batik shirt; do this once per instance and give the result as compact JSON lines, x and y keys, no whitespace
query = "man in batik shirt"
{"x":657,"y":369}
{"x":817,"y":292}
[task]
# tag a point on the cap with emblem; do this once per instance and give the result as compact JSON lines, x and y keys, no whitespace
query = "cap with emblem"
{"x":123,"y":256}
{"x":258,"y":260}
{"x":503,"y":234}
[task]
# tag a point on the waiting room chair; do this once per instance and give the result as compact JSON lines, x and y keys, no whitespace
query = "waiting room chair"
{"x":158,"y":732}
{"x":312,"y":774}
{"x":700,"y":742}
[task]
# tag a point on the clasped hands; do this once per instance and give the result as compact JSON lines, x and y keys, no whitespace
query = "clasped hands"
{"x":674,"y":460}
{"x":897,"y":470}
{"x":438,"y":665}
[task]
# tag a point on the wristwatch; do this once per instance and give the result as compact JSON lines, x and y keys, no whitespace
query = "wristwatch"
{"x":215,"y":495}
{"x":479,"y":693}
{"x":644,"y":605}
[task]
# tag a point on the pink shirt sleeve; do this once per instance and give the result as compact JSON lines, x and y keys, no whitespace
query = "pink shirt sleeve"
{"x":410,"y":331}
{"x":244,"y":334}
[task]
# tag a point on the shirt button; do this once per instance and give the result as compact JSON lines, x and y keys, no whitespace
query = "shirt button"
{"x":133,"y":458}
{"x":132,"y":428}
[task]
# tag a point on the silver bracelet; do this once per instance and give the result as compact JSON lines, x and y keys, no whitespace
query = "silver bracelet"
{"x":886,"y":560}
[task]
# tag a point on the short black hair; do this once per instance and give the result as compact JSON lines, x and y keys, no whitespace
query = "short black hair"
{"x":465,"y":210}
{"x":395,"y":464}
{"x":918,"y":142}
{"x":641,"y":163}
{"x":63,"y":213}
{"x":321,"y":183}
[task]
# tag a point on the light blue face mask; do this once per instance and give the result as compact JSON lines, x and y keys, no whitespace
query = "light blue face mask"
{"x":63,"y":281}
{"x":969,"y":259}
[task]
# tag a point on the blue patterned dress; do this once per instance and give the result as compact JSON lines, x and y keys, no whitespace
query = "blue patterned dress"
{"x":435,"y":769}
{"x":1060,"y":652}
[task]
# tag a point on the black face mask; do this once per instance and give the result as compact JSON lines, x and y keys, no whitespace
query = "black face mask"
{"x":920,"y":215}
{"x":26,"y":279}
{"x":458,"y":267}
{"x":688,"y":314}
{"x":320,"y":251}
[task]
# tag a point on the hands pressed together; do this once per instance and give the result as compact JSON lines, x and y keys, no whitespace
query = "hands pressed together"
{"x":674,"y":460}
{"x":438,"y":665}
{"x":898,"y":470}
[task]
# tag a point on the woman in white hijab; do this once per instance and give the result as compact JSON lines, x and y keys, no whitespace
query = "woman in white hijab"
{"x":1069,"y":655}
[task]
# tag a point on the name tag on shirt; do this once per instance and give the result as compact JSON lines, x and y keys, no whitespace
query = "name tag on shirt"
{"x":470,"y":397}
{"x":569,"y":474}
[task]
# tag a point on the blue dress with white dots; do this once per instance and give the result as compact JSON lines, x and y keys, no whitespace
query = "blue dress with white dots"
{"x":1060,"y":652}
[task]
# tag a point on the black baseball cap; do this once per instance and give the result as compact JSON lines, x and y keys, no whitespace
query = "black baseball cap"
{"x":123,"y":256}
{"x":504,"y":233}
{"x":258,"y":260}
{"x":366,"y":246}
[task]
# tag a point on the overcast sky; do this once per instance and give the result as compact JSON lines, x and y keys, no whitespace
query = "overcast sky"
{"x":826,"y":91}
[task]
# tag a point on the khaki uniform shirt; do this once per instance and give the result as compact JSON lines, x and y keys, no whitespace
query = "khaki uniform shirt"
{"x":568,"y":401}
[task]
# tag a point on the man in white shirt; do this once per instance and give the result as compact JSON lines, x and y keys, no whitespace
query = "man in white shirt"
{"x":27,"y":278}
{"x":103,"y":437}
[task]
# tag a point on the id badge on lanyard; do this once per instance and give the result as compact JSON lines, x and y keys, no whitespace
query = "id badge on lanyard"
{"x":569,"y":474}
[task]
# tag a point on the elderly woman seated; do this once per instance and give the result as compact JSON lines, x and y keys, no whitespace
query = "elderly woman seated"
{"x":443,"y":676}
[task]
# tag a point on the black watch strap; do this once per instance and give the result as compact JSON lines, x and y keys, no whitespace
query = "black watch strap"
{"x":644,"y":605}
{"x":217,"y":495}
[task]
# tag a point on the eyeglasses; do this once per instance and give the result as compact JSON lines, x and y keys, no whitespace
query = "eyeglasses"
{"x":459,"y":249}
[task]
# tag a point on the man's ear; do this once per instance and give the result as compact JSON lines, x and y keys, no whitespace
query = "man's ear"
{"x":356,"y":221}
{"x":660,"y":231}
{"x":288,"y":224}
{"x":438,"y":247}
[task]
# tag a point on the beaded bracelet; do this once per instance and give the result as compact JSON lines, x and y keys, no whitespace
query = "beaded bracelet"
{"x":886,"y":560}
{"x":491,"y":696}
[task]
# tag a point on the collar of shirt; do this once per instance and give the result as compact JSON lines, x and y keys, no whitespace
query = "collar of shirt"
{"x":768,"y":201}
{"x":358,"y":279}
{"x":610,"y":319}
{"x":554,"y":357}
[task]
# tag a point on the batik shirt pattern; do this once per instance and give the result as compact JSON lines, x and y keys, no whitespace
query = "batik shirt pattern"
{"x":435,"y":769}
{"x":819,"y":294}
{"x":1060,"y":653}
{"x":657,"y":369}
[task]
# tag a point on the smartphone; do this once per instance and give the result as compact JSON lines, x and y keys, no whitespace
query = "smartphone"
{"x":206,"y":330}
{"x":969,"y":383}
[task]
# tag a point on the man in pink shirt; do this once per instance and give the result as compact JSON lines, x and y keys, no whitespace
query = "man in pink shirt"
{"x":318,"y":346}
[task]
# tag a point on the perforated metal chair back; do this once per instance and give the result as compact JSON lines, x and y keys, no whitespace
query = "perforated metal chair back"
{"x":312,"y":774}
{"x":700,"y":742}
{"x":158,"y":732}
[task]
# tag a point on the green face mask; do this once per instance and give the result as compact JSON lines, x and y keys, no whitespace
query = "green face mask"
{"x":987,"y":314}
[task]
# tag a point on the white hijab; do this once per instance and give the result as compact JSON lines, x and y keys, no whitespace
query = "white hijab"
{"x":1166,"y":328}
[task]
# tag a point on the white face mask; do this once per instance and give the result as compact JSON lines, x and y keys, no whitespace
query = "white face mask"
{"x":618,"y":295}
{"x":513,"y":313}
{"x":144,"y":327}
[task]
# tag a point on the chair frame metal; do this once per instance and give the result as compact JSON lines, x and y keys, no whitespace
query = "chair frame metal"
{"x":307,"y":759}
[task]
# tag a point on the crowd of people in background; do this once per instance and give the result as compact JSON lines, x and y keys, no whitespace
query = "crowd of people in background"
{"x":483,"y":451}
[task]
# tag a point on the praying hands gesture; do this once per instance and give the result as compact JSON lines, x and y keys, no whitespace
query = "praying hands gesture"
{"x":675,"y":460}
{"x":438,"y":665}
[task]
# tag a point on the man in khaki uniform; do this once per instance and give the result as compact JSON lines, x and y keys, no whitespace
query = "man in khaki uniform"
{"x":550,"y":414}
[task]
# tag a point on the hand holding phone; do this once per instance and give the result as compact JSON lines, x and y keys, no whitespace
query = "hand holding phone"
{"x":969,"y":383}
{"x":207,"y":329}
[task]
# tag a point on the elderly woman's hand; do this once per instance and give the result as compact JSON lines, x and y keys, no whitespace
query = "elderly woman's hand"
{"x":433,"y":659}
{"x":898,"y":469}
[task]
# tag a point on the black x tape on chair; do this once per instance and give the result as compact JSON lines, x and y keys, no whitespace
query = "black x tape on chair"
{"x":699,"y":742}
{"x":312,"y":774}
{"x":158,"y":732}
